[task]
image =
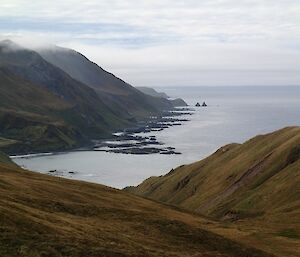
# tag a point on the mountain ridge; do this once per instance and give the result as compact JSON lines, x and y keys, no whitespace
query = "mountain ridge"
{"x":52,"y":105}
{"x":153,"y":92}
{"x":114,"y":91}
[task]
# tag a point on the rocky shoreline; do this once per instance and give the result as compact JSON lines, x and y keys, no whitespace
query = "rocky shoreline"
{"x":134,"y":140}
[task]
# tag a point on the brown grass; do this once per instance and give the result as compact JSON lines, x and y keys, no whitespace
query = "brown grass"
{"x":42,"y":215}
{"x":253,"y":187}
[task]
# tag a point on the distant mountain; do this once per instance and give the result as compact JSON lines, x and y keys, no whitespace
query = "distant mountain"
{"x":62,"y":99}
{"x":43,"y":215}
{"x":178,"y":102}
{"x":152,"y":92}
{"x":121,"y":97}
{"x":41,"y":102}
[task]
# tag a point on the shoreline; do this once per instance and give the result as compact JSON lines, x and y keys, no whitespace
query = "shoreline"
{"x":144,"y":144}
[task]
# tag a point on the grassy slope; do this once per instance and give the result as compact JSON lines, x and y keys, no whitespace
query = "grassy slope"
{"x":88,"y":111}
{"x":124,"y":99}
{"x":42,"y":215}
{"x":29,"y":115}
{"x":43,"y":108}
{"x":255,"y":186}
{"x":20,"y":94}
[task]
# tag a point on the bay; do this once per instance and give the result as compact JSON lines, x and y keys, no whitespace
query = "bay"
{"x":234,"y":114}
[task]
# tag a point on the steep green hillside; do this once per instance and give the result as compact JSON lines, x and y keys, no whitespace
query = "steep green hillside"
{"x":19,"y":94}
{"x":89,"y":111}
{"x":121,"y":97}
{"x":30,"y":117}
{"x":82,"y":69}
{"x":255,"y":185}
{"x":48,"y":216}
{"x":43,"y":108}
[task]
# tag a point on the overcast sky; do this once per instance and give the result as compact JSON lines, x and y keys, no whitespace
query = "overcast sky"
{"x":169,"y":42}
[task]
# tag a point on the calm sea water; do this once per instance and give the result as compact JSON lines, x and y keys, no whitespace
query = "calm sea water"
{"x":234,"y":114}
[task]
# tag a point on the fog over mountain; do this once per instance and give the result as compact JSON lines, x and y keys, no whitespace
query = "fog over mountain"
{"x":167,"y":42}
{"x":108,"y":107}
{"x":65,"y":97}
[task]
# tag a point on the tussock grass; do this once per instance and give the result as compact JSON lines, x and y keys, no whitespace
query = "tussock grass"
{"x":44,"y":216}
{"x":255,"y":186}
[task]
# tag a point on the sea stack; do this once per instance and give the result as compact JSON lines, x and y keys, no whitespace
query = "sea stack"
{"x":197,"y":105}
{"x":204,"y":104}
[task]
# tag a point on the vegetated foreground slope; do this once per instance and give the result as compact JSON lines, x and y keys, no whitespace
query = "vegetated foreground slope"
{"x":255,"y":185}
{"x":42,"y":215}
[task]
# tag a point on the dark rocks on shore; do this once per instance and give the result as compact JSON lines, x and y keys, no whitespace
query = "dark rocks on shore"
{"x":140,"y":150}
{"x":184,"y":109}
{"x":129,"y":141}
{"x":157,"y":124}
{"x":132,"y":150}
{"x":169,"y":152}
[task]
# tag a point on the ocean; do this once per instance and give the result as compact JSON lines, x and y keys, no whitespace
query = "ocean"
{"x":234,"y":114}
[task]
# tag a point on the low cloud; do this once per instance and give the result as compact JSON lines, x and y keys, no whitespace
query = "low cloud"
{"x":199,"y":64}
{"x":164,"y":42}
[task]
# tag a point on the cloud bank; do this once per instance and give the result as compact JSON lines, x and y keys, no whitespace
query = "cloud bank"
{"x":157,"y":43}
